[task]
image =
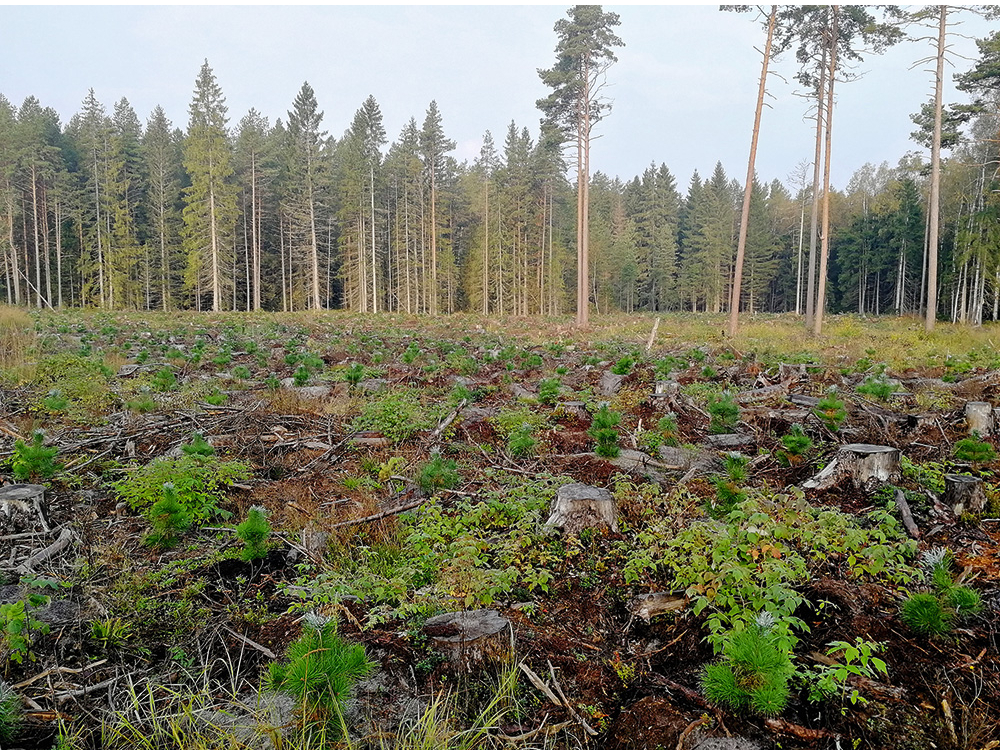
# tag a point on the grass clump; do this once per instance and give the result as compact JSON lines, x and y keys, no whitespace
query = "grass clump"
{"x":17,"y":337}
{"x":10,"y":712}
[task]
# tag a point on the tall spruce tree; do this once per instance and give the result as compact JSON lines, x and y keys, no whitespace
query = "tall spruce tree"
{"x":210,"y":200}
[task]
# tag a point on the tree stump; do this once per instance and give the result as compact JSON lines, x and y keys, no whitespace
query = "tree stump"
{"x":666,"y":389}
{"x":579,"y":506}
{"x":611,"y":383}
{"x":474,"y":638}
{"x":867,"y":466}
{"x":979,"y":417}
{"x":964,"y":494}
{"x":22,"y":508}
{"x":648,"y":606}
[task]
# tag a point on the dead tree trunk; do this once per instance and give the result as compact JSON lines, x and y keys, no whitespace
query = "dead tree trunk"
{"x":979,"y":417}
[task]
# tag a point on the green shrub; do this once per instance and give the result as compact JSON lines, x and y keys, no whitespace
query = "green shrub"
{"x":198,"y":480}
{"x":602,"y":430}
{"x":753,"y":676}
{"x":169,"y":519}
{"x":355,"y":373}
{"x":724,"y":413}
{"x":242,"y":372}
{"x":142,"y":405}
{"x":215,"y":398}
{"x":254,"y":533}
{"x":164,"y":380}
{"x":796,"y":442}
{"x":55,"y":401}
{"x":18,"y":624}
{"x":728,"y":490}
{"x":877,"y":387}
{"x":548,"y":390}
{"x":33,"y":460}
{"x":198,"y":446}
{"x":438,"y":474}
{"x":320,"y":673}
{"x":398,"y":415}
{"x":623,"y":366}
{"x":301,"y":376}
{"x":521,"y":442}
{"x":974,"y":451}
{"x":830,"y":411}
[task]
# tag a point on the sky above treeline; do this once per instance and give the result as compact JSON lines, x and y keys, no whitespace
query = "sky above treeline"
{"x":684,"y":86}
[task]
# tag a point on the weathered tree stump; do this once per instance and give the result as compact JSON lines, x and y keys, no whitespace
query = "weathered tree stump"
{"x":867,"y":466}
{"x":666,"y":389}
{"x":579,"y":506}
{"x":22,"y":508}
{"x":474,"y":638}
{"x":611,"y":383}
{"x":964,"y":494}
{"x":979,"y":417}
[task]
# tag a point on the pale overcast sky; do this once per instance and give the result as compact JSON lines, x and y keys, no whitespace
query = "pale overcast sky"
{"x":683,"y":89}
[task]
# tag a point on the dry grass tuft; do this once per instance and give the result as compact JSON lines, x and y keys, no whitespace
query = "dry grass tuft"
{"x":17,"y":337}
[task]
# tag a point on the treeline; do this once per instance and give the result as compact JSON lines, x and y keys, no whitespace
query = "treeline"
{"x":109,"y":212}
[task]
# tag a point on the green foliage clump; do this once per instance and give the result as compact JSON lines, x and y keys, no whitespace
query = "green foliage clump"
{"x":724,"y":413}
{"x":925,"y":615}
{"x":215,"y":398}
{"x":81,"y":381}
{"x":830,"y":411}
{"x":320,"y":673}
{"x":164,"y":380}
{"x":10,"y":712}
{"x":876,"y":386}
{"x":18,"y":624}
{"x":438,"y":474}
{"x":169,"y":519}
{"x":519,"y":426}
{"x":974,"y":450}
{"x":55,"y":401}
{"x":143,"y":404}
{"x":729,"y":492}
{"x":623,"y":366}
{"x":254,"y":533}
{"x":354,"y":374}
{"x":548,"y":390}
{"x":198,"y":447}
{"x":398,"y":415}
{"x":602,"y":430}
{"x":753,"y":675}
{"x":796,"y":442}
{"x":33,"y":460}
{"x":199,"y":481}
{"x":934,"y":614}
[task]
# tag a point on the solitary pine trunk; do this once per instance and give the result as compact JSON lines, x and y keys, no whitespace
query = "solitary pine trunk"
{"x":935,"y":199}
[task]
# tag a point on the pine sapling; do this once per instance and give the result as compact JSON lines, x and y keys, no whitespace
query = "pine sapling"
{"x":603,"y":431}
{"x":169,"y":519}
{"x":33,"y":460}
{"x":254,"y":533}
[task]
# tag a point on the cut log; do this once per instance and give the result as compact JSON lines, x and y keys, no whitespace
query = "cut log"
{"x":763,"y":394}
{"x":22,"y":507}
{"x":666,"y":389}
{"x":471,"y":639}
{"x":867,"y":466}
{"x":649,"y":606}
{"x":800,"y":399}
{"x":729,"y":441}
{"x":979,"y":417}
{"x":964,"y":494}
{"x":580,"y":506}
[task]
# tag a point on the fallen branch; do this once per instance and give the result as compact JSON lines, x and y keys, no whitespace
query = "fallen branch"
{"x":63,"y":697}
{"x":548,"y":729}
{"x":451,"y":418}
{"x":252,"y":644}
{"x":572,"y":711}
{"x":58,"y":670}
{"x":539,"y":683}
{"x":797,"y":730}
{"x":904,"y":510}
{"x":652,"y":335}
{"x":380,"y":516}
{"x":65,"y":537}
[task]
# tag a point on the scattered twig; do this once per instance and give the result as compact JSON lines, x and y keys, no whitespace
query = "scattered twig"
{"x":797,"y":730}
{"x":252,"y":644}
{"x":63,"y":697}
{"x":380,"y":516}
{"x":572,"y":711}
{"x":548,"y":729}
{"x":539,"y":683}
{"x":58,"y":670}
{"x":690,"y":728}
